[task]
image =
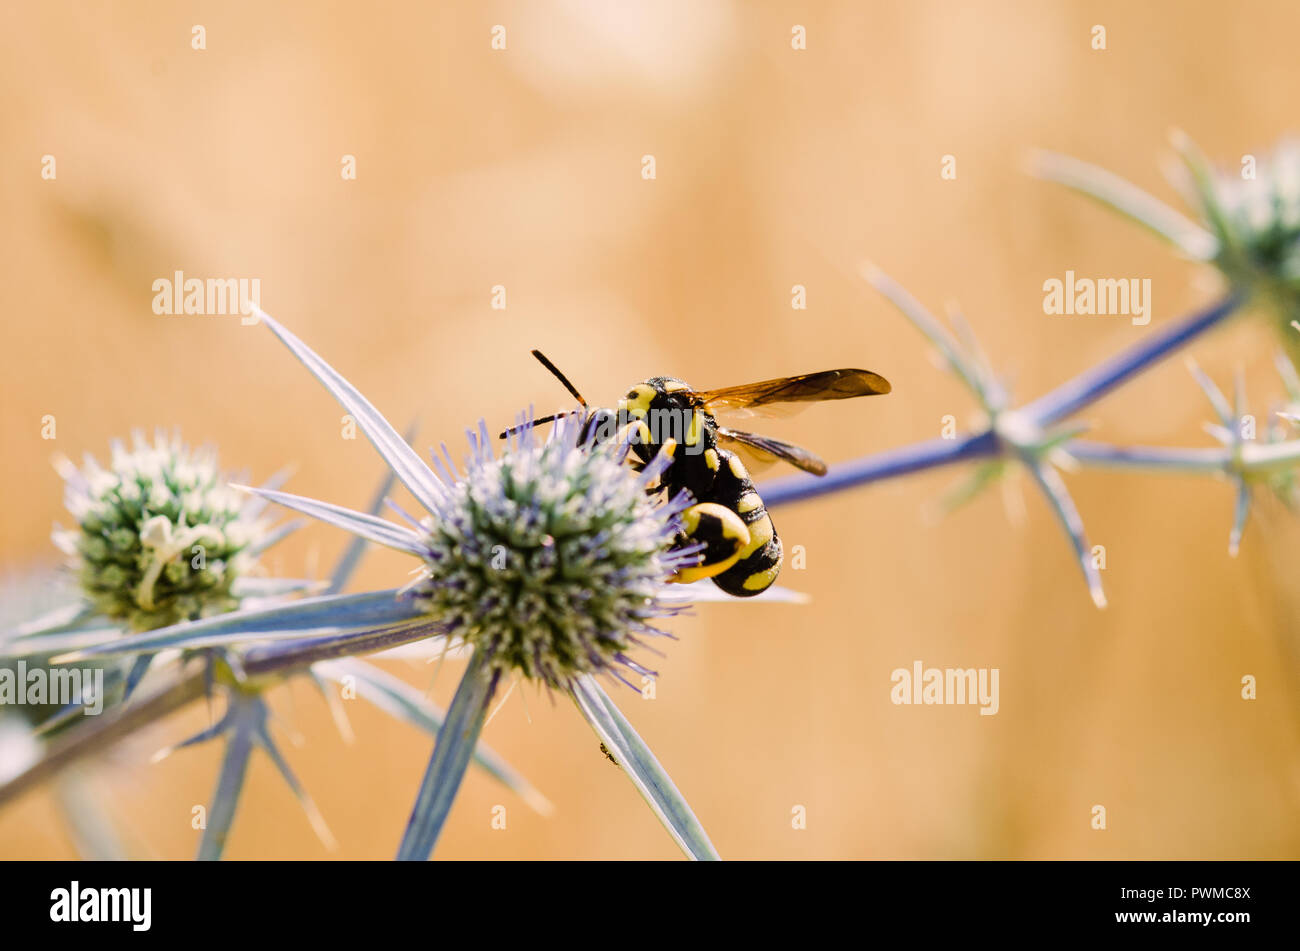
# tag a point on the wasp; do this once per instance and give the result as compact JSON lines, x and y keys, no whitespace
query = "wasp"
{"x":741,"y":551}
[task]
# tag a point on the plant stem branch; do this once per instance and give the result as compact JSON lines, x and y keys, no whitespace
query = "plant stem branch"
{"x":1090,"y":386}
{"x":100,"y":732}
{"x":883,"y":465}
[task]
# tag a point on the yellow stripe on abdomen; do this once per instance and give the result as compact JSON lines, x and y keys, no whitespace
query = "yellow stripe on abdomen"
{"x":762,"y":580}
{"x":760,"y":533}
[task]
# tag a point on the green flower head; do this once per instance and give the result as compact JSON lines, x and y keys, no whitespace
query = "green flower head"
{"x":1254,"y":213}
{"x":551,"y":557}
{"x":1246,"y":220}
{"x":160,"y":536}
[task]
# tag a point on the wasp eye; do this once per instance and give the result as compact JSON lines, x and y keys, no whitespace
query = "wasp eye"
{"x":599,"y":426}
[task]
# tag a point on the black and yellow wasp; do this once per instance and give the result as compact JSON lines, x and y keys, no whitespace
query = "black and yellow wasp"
{"x":742,"y":552}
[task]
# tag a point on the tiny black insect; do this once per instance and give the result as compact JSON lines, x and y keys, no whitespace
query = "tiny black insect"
{"x":742,"y":552}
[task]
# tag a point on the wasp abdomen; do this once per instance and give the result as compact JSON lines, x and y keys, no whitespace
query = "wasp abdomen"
{"x":759,"y":562}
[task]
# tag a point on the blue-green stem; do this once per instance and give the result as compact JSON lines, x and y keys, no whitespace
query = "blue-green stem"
{"x":451,"y":755}
{"x":1062,"y":402}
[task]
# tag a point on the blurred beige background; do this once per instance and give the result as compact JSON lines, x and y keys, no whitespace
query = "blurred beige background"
{"x":775,"y":167}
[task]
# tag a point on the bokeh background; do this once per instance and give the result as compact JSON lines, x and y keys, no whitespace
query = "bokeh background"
{"x":775,"y":167}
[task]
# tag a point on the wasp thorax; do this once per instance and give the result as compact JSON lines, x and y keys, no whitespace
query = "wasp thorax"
{"x":550,"y":558}
{"x":160,"y":536}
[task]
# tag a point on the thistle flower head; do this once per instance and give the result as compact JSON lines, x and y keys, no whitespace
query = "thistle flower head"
{"x":551,"y":557}
{"x":1248,"y":215}
{"x":1256,"y":219}
{"x":160,"y":536}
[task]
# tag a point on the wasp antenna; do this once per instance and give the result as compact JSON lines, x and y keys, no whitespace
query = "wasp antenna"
{"x":535,"y":422}
{"x":573,"y":390}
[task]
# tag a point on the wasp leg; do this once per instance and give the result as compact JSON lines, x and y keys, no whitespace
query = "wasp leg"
{"x":723,"y":534}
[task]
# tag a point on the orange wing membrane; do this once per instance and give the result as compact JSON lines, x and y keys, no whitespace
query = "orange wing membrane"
{"x":804,"y":388}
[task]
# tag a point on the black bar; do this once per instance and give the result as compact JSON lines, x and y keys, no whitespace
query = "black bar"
{"x":592,"y":900}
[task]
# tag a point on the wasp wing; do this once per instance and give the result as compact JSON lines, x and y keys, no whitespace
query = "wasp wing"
{"x":804,"y":388}
{"x":766,"y":450}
